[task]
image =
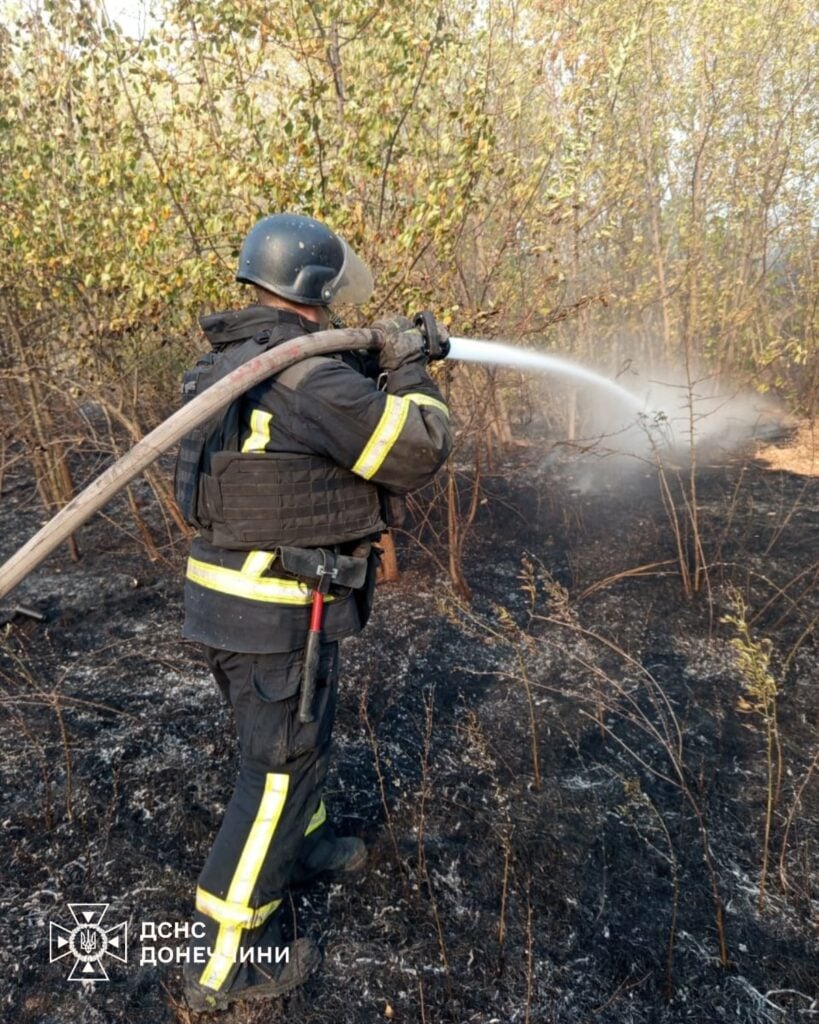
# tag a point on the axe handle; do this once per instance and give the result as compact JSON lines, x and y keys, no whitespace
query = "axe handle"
{"x":311,"y":660}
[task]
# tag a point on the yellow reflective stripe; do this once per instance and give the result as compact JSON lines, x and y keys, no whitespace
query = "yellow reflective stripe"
{"x":259,"y":431}
{"x":317,"y":820}
{"x":383,"y":437}
{"x":420,"y":399}
{"x":244,"y":878}
{"x":233,"y":913}
{"x":258,"y":562}
{"x":223,"y":958}
{"x":255,"y":849}
{"x":237,"y":583}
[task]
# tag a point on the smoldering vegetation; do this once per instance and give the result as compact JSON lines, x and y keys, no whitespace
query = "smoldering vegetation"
{"x":587,"y":796}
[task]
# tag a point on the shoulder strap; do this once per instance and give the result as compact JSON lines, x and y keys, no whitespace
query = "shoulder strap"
{"x":294,"y":375}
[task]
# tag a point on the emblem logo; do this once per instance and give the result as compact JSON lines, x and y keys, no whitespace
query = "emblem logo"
{"x":88,"y":942}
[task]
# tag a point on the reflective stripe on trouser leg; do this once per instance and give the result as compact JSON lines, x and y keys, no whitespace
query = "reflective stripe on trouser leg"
{"x":302,"y":760}
{"x":243,"y":883}
{"x":317,"y":820}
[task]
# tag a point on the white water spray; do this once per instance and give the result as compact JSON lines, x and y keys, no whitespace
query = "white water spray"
{"x":655,"y":418}
{"x":471,"y":351}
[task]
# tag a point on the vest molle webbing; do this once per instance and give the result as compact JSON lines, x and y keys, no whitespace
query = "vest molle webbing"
{"x":248,"y":500}
{"x":256,"y":500}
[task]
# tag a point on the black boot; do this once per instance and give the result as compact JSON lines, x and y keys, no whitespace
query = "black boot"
{"x":259,"y":981}
{"x":336,"y":856}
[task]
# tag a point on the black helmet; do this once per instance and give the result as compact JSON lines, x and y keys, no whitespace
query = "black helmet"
{"x":302,"y":260}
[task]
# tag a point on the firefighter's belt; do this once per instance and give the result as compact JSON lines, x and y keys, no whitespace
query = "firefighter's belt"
{"x":321,"y":569}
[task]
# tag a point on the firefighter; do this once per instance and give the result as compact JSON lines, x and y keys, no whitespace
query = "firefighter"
{"x":290,"y":490}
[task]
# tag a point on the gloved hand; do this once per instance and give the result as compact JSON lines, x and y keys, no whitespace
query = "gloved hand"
{"x":403,"y":343}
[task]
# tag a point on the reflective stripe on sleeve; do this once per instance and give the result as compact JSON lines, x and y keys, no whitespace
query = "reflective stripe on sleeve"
{"x":248,"y":583}
{"x":244,"y":879}
{"x":383,"y":437}
{"x":419,"y":399}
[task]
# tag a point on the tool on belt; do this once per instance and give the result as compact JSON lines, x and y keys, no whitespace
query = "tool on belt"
{"x":319,"y":569}
{"x":326,"y":575}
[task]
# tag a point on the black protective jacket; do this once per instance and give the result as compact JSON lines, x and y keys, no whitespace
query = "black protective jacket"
{"x":330,"y":409}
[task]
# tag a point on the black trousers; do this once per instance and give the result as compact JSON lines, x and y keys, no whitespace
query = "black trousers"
{"x":274,"y":818}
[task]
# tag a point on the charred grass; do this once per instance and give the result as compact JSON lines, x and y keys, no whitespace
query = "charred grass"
{"x":563,"y":794}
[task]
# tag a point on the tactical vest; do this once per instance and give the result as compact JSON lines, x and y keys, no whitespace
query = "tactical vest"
{"x":262,"y":500}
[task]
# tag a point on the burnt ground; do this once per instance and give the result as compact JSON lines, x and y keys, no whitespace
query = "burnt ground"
{"x":578,"y":876}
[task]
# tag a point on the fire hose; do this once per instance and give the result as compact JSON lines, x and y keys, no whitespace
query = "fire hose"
{"x":197,"y":411}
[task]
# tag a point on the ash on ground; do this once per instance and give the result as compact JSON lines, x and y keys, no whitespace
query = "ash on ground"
{"x":564,"y":784}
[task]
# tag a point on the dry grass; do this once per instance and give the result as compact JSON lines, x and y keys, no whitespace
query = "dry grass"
{"x":798,"y":455}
